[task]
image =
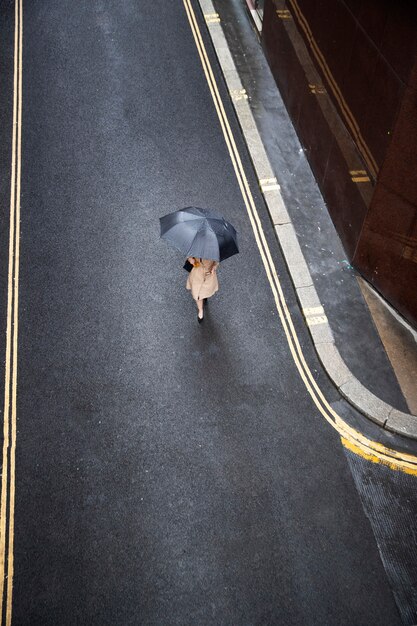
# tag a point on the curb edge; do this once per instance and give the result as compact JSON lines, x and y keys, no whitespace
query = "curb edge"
{"x":312,"y":309}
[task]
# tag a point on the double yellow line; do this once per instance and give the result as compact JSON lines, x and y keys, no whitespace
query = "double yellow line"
{"x":352,"y":439}
{"x":10,"y":389}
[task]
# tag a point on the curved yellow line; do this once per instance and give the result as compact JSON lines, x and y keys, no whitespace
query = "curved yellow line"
{"x":376,"y":459}
{"x":393,"y":458}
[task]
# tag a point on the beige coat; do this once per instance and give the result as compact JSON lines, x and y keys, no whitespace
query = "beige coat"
{"x":201,"y":281}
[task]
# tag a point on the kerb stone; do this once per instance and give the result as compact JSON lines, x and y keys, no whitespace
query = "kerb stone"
{"x":402,"y":423}
{"x":357,"y":394}
{"x":333,"y":363}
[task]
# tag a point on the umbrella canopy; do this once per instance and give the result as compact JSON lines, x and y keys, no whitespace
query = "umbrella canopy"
{"x":200,"y":233}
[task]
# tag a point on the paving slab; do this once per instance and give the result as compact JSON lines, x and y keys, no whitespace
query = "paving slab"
{"x":402,"y":423}
{"x":333,"y":363}
{"x":367,"y":402}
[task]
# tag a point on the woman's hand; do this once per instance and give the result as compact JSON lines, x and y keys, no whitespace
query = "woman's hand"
{"x":191,"y":260}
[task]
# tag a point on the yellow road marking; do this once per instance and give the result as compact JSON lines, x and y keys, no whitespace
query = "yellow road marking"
{"x":314,"y":320}
{"x":317,"y":89}
{"x":270,"y":187}
{"x":284,"y":14}
{"x":212,"y":18}
{"x":10,"y":393}
{"x":313,"y":310}
{"x":10,"y":571}
{"x":351,"y":439}
{"x":238,"y":94}
{"x":268,"y":184}
{"x":372,"y":457}
{"x":363,"y":446}
{"x":359,"y":176}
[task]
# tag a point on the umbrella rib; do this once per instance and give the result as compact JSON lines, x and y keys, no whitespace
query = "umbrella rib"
{"x":203,"y":224}
{"x":224,"y":233}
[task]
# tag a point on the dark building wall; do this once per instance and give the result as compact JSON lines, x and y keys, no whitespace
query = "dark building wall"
{"x":348,"y":75}
{"x":387,"y":249}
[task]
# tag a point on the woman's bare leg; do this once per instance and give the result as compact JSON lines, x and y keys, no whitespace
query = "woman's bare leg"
{"x":200,"y":307}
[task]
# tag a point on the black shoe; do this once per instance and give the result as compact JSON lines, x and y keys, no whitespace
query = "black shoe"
{"x":200,"y":319}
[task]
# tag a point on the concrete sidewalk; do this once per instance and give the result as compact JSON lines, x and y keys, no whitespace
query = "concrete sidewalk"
{"x":330,"y":296}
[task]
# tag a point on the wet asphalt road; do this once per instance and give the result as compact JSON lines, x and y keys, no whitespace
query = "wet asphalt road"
{"x":166,"y":472}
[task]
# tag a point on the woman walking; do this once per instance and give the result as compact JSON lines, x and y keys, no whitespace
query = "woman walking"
{"x":200,"y":233}
{"x":202,"y":282}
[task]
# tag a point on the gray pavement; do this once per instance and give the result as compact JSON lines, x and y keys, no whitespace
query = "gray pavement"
{"x":166,"y":472}
{"x":341,"y":326}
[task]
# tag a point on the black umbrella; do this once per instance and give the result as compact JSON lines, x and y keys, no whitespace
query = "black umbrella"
{"x":200,"y":233}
